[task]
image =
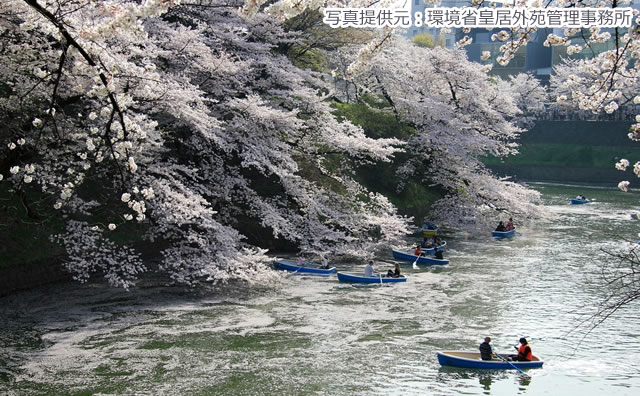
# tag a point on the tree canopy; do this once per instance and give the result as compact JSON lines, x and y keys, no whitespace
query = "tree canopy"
{"x":186,"y":123}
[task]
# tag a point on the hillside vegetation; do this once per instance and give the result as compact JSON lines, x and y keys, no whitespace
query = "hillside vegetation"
{"x":415,"y":199}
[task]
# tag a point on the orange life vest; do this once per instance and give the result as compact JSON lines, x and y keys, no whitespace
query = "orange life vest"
{"x":524,"y":355}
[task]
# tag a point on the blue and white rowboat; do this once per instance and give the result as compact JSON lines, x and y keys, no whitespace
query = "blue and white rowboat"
{"x":473,"y":360}
{"x":307,"y":268}
{"x":358,"y":277}
{"x":579,"y":201}
{"x":503,"y":234}
{"x":398,"y":255}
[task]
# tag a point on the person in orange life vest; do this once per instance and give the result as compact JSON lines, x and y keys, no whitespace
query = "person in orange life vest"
{"x":524,"y":352}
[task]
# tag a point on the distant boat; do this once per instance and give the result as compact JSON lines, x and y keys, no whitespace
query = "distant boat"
{"x":579,"y":201}
{"x":398,"y":255}
{"x":429,"y":232}
{"x":358,"y":277}
{"x":473,"y":360}
{"x":503,"y":234}
{"x":307,"y":268}
{"x":428,"y":229}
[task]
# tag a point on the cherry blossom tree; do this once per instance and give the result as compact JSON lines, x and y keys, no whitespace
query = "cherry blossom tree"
{"x":528,"y":95}
{"x":620,"y":283}
{"x":174,"y":122}
{"x":180,"y":122}
{"x":459,"y":115}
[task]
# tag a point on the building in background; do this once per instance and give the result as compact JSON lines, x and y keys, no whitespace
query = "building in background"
{"x":533,"y":58}
{"x":439,"y":36}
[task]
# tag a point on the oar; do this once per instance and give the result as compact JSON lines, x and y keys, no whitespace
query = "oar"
{"x":303,"y":264}
{"x":512,"y":365}
{"x":415,"y":266}
{"x":380,"y":279}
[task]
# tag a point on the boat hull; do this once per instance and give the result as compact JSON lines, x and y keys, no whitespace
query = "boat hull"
{"x":429,"y":233}
{"x":472,"y":360}
{"x":398,"y":255}
{"x":313,"y":269}
{"x":579,"y":201}
{"x":503,"y":234}
{"x":357,"y":277}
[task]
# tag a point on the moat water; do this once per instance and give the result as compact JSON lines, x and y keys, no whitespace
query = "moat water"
{"x":314,"y":335}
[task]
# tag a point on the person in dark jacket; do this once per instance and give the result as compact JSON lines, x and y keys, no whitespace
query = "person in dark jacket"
{"x":394,"y":273}
{"x":500,"y":227}
{"x":438,"y":254}
{"x":486,"y":350}
{"x":426,"y":243}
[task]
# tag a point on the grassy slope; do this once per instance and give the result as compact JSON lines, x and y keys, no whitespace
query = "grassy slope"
{"x":570,"y":151}
{"x":559,"y":155}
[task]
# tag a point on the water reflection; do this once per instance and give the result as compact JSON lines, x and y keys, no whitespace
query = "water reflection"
{"x":490,"y":381}
{"x":524,"y":381}
{"x":486,"y":381}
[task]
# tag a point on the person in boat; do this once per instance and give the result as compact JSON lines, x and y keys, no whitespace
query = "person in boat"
{"x":509,"y":225}
{"x":394,"y":273}
{"x":429,"y":226}
{"x":581,"y":197}
{"x":426,"y":243}
{"x":300,"y":261}
{"x":418,"y":251}
{"x":438,"y":254}
{"x":368,"y":269}
{"x":500,"y":227}
{"x":524,"y":352}
{"x":324,"y":262}
{"x":486,"y":349}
